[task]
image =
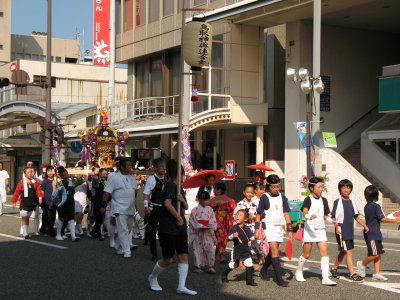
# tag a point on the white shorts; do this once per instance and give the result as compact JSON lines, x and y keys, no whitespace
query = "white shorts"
{"x":274,"y":233}
{"x":80,"y":206}
{"x":248,"y":262}
{"x":27,"y":213}
{"x":314,"y":235}
{"x":3,"y":197}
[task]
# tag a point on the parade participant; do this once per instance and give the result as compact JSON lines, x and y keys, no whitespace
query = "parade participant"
{"x":4,"y":184}
{"x":122,"y":186}
{"x":275,"y":208}
{"x":316,"y":212}
{"x":80,"y":197}
{"x":153,"y":196}
{"x":31,"y":197}
{"x":98,"y":187}
{"x":93,"y":179}
{"x":202,"y":240}
{"x":344,"y":211}
{"x":373,"y":238}
{"x":241,"y":236}
{"x":63,"y":199}
{"x":223,"y":207}
{"x":209,"y":180}
{"x":258,"y":177}
{"x":259,"y":190}
{"x":172,"y":232}
{"x":49,"y":214}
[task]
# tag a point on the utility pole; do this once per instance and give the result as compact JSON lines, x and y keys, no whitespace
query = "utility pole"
{"x":47,"y":154}
{"x":111,"y":80}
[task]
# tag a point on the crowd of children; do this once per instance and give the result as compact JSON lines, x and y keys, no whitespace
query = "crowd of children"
{"x":260,"y":220}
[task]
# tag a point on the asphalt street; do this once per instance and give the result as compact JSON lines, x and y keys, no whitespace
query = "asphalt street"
{"x":43,"y":268}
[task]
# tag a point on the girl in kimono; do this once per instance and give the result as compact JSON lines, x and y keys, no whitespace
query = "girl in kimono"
{"x":202,"y":240}
{"x":316,"y":212}
{"x":223,"y":207}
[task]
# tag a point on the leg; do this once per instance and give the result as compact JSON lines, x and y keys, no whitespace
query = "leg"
{"x":25,"y":225}
{"x":45,"y":217}
{"x":307,"y":247}
{"x":51,"y":212}
{"x":339,"y":259}
{"x":123,"y":234}
{"x":36,"y":220}
{"x":323,"y":250}
{"x":264,"y":269}
{"x":349,"y":261}
{"x":377,"y":264}
{"x":274,"y":250}
{"x":249,"y":272}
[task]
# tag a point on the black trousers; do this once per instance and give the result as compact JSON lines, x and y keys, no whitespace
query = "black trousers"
{"x":151,"y":229}
{"x":51,"y":218}
{"x":98,"y":218}
{"x":45,"y":216}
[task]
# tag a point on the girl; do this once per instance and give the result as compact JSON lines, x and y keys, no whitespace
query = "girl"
{"x":172,"y":233}
{"x":241,"y":236}
{"x":80,"y":197}
{"x":29,"y":201}
{"x":223,"y":207}
{"x":275,"y":207}
{"x":202,"y":240}
{"x":315,"y":211}
{"x":259,"y":190}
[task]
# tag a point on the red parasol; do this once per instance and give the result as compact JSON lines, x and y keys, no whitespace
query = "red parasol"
{"x":289,"y":249}
{"x":261,"y":167}
{"x":198,"y":179}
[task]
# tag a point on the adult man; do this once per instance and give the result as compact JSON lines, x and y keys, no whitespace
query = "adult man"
{"x":4,"y":182}
{"x":154,"y":191}
{"x":122,"y":187}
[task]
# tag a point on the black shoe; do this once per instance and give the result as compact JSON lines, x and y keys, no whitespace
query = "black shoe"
{"x":224,"y":276}
{"x":26,"y":237}
{"x":249,"y":277}
{"x":52,"y":233}
{"x":42,"y":230}
{"x":100,"y":238}
{"x":334,"y":273}
{"x":356,"y":278}
{"x":93,"y":234}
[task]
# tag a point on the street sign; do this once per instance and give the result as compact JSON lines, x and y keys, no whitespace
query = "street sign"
{"x":13,"y":67}
{"x":230,"y":169}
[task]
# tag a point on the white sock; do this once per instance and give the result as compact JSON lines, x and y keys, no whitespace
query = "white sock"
{"x":88,"y":226}
{"x":25,"y":230}
{"x":71,"y":226}
{"x":59,"y":226}
{"x":157,"y":270}
{"x":79,"y":228}
{"x":21,"y":230}
{"x":102,"y":230}
{"x":325,"y":267}
{"x":182,"y":270}
{"x":153,"y":277}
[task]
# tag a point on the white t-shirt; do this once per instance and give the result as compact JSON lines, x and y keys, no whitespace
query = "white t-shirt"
{"x":3,"y":176}
{"x":122,"y":189}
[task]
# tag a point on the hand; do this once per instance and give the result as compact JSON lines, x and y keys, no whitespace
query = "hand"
{"x":256,"y":234}
{"x":14,"y":204}
{"x":40,"y":201}
{"x":366,"y":229}
{"x":180,"y":221}
{"x":235,"y":234}
{"x":8,"y":190}
{"x":291,"y":236}
{"x":147,"y":211}
{"x":338,"y":230}
{"x":335,"y":223}
{"x":251,"y":218}
{"x":103,"y":210}
{"x":313,"y":217}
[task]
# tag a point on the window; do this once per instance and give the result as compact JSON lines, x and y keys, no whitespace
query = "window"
{"x":140,"y":12}
{"x":156,"y":77}
{"x":142,"y":79}
{"x":199,"y":2}
{"x":118,"y":16}
{"x":180,"y":5}
{"x":71,"y":60}
{"x":175,"y":72}
{"x":168,"y":7}
{"x":58,"y":59}
{"x":1,"y":14}
{"x":128,"y":15}
{"x":20,"y":55}
{"x":90,"y":121}
{"x":35,"y":57}
{"x":52,"y":58}
{"x":12,"y":55}
{"x":154,"y":10}
{"x":1,"y":47}
{"x":42,"y":57}
{"x":27,"y":55}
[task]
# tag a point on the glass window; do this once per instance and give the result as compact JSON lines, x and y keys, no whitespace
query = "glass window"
{"x":35,"y":57}
{"x":12,"y":55}
{"x":175,"y":73}
{"x":58,"y":59}
{"x":140,"y":12}
{"x":142,"y":79}
{"x":389,"y":146}
{"x":199,"y":2}
{"x":128,"y":15}
{"x":42,"y":57}
{"x":201,"y":81}
{"x":1,"y":14}
{"x":154,"y":10}
{"x":156,"y":77}
{"x":219,"y":81}
{"x":168,"y":7}
{"x":118,"y":16}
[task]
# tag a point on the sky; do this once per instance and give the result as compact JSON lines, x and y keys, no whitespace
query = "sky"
{"x":68,"y":17}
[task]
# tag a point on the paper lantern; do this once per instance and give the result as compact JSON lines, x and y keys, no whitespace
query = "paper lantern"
{"x":197,"y":43}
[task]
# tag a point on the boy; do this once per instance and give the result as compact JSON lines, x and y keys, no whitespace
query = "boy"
{"x":373,"y":238}
{"x":344,"y":210}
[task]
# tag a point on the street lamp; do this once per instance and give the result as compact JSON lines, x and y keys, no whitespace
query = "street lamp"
{"x":308,"y":85}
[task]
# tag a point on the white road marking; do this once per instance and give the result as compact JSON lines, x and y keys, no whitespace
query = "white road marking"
{"x":391,"y":287}
{"x":32,"y":241}
{"x":7,"y":215}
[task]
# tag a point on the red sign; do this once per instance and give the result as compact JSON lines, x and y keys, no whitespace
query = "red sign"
{"x":230,"y":169}
{"x":101,"y":32}
{"x":13,"y":67}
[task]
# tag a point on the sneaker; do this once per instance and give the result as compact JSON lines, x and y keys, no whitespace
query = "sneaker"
{"x":361,"y":269}
{"x":334,"y":273}
{"x":356,"y":278}
{"x":64,"y":237}
{"x":59,"y":238}
{"x":127,"y":255}
{"x":119,"y":252}
{"x":379,"y":276}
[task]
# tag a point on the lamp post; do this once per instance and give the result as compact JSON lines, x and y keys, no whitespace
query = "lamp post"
{"x":309,"y":85}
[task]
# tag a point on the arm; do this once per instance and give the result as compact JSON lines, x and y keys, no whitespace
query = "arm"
{"x":171,"y":209}
{"x":386,"y":220}
{"x":146,"y":195}
{"x":39,"y":192}
{"x":193,"y":224}
{"x":263,"y":205}
{"x":361,"y":222}
{"x":305,"y":209}
{"x":18,"y":191}
{"x":8,"y":185}
{"x":183,"y":201}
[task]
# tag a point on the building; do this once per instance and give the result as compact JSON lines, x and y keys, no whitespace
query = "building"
{"x":247,"y":106}
{"x":5,"y":25}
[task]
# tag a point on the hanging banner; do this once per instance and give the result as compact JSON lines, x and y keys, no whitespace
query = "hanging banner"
{"x":329,"y":139}
{"x":186,"y":155}
{"x":301,"y":128}
{"x":230,"y":169}
{"x":101,"y":38}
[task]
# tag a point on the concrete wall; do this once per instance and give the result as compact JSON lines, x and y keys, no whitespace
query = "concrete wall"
{"x":353,"y":59}
{"x":37,"y":45}
{"x":5,"y":25}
